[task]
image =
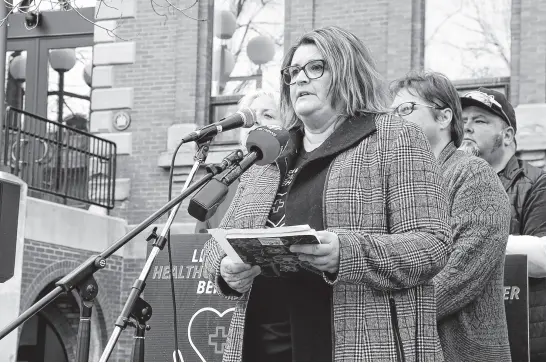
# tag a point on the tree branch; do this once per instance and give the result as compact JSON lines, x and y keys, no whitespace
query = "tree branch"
{"x":447,"y":18}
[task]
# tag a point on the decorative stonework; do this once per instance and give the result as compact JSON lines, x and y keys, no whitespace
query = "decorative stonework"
{"x":102,"y":31}
{"x":112,"y":98}
{"x":115,"y":53}
{"x":103,"y":76}
{"x":106,"y":99}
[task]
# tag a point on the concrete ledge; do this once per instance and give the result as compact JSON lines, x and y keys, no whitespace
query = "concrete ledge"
{"x":123,"y":140}
{"x":72,"y":227}
{"x":112,"y":98}
{"x":531,"y":119}
{"x":114,"y":53}
{"x":101,"y":121}
{"x":115,"y":9}
{"x":104,"y":31}
{"x":103,"y":76}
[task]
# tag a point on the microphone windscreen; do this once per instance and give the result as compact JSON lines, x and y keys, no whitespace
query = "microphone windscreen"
{"x":249,"y":117}
{"x":270,"y":141}
{"x":206,"y":201}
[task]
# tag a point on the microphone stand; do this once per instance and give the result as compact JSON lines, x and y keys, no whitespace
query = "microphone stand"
{"x":82,"y":276}
{"x":88,"y":290}
{"x":140,"y":282}
{"x":141,"y":313}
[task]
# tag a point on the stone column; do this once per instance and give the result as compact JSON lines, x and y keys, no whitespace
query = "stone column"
{"x":10,"y":291}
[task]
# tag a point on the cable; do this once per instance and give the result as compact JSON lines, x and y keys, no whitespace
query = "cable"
{"x":170,"y":256}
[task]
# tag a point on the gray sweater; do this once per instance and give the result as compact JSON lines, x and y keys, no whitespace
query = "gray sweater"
{"x":470,"y":306}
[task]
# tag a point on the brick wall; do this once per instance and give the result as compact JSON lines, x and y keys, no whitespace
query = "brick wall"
{"x":171,"y":74}
{"x":165,"y":80}
{"x":391,"y":29}
{"x":528,"y":51}
{"x":45,"y":263}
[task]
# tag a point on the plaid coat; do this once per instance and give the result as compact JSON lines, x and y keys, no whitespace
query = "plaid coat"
{"x":384,"y":199}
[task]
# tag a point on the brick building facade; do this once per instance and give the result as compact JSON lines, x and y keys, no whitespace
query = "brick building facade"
{"x":167,"y":105}
{"x":158,"y":70}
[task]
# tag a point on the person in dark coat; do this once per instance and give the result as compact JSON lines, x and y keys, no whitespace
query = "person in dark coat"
{"x":489,"y":132}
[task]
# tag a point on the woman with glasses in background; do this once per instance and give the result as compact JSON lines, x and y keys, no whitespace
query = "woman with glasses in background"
{"x":470,"y":288}
{"x":367,"y":182}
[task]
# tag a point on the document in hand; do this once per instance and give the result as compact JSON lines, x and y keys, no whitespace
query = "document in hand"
{"x":267,"y":247}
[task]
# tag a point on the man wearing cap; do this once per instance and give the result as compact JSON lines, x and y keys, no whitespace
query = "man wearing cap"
{"x":489,"y":132}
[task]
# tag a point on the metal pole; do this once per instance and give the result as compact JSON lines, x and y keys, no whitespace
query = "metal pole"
{"x":3,"y":47}
{"x":221,"y":81}
{"x":259,"y":79}
{"x":60,"y":132}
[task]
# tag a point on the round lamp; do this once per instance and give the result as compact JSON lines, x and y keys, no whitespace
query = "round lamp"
{"x":18,"y":67}
{"x":62,"y":60}
{"x":87,"y":74}
{"x":229,"y":64}
{"x":260,"y":49}
{"x":224,"y":24}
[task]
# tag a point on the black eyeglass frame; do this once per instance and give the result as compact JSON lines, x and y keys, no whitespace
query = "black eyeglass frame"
{"x":304,"y":68}
{"x":413,"y":104}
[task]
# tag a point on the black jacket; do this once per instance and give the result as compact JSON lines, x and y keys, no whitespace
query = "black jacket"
{"x":526,"y":188}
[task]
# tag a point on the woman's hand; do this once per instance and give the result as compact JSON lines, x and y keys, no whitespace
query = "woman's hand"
{"x":238,"y":276}
{"x":324,"y":256}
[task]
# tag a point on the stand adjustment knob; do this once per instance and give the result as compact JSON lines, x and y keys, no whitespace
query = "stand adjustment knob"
{"x":153,"y":236}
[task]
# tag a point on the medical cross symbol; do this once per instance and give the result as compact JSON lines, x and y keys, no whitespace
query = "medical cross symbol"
{"x":218,"y":339}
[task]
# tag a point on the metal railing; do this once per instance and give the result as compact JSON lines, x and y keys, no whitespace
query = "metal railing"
{"x":59,"y":163}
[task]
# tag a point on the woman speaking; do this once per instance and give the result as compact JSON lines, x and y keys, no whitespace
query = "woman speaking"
{"x":368,"y":182}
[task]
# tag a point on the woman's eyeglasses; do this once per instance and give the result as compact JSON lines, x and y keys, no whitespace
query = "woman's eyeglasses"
{"x":313,"y":70}
{"x":407,"y":108}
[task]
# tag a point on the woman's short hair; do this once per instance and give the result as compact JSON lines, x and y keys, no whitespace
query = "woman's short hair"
{"x":356,"y":88}
{"x":247,"y":99}
{"x":437,"y":89}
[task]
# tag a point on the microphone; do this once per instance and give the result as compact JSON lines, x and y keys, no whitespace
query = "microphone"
{"x":265,"y":143}
{"x":245,"y":117}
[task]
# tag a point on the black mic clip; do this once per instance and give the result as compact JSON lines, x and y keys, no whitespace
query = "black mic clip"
{"x":233,"y":158}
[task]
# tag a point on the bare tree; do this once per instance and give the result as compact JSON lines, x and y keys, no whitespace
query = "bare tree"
{"x":250,"y":24}
{"x":483,"y":36}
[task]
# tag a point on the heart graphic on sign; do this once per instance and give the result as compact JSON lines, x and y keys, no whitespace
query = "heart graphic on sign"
{"x":221,"y":330}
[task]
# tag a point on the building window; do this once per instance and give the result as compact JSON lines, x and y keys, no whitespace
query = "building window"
{"x":69,"y":86}
{"x":247,"y":52}
{"x":247,"y":45}
{"x":468,"y":39}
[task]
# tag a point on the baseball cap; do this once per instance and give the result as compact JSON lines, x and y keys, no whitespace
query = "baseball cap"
{"x":492,"y":101}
